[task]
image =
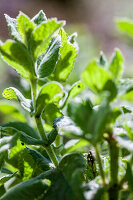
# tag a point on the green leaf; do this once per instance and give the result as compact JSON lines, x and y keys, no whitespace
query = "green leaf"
{"x":68,"y":53}
{"x":125,"y":25}
{"x":16,"y":55}
{"x":25,"y":27}
{"x":76,"y":88}
{"x":50,"y":113}
{"x":125,"y":142}
{"x":39,"y":18}
{"x":73,"y":166}
{"x":24,"y":127}
{"x":24,"y":137}
{"x":47,"y":62}
{"x":80,"y":113}
{"x":42,"y":35}
{"x":11,"y":112}
{"x":125,"y":86}
{"x":52,"y":136}
{"x":65,"y":126}
{"x":2,"y":190}
{"x":111,"y":88}
{"x":59,"y":188}
{"x":5,"y":178}
{"x":13,"y":29}
{"x":95,"y":77}
{"x":116,"y":66}
{"x":102,"y":59}
{"x":48,"y":94}
{"x":39,"y":159}
{"x":31,"y":189}
{"x":74,"y":145}
{"x":7,"y":142}
{"x":13,"y":93}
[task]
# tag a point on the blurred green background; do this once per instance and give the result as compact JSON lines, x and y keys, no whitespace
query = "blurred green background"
{"x":93,"y":20}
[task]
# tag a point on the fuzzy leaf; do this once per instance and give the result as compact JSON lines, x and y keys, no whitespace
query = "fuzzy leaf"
{"x":50,"y":113}
{"x":47,"y":62}
{"x":76,"y":88}
{"x":31,"y":189}
{"x":95,"y":77}
{"x":13,"y":29}
{"x":39,"y":159}
{"x":39,"y":18}
{"x":16,"y":55}
{"x":25,"y":27}
{"x":13,"y":93}
{"x":47,"y":95}
{"x":116,"y":65}
{"x":68,"y":53}
{"x":42,"y":35}
{"x":24,"y":127}
{"x":125,"y":86}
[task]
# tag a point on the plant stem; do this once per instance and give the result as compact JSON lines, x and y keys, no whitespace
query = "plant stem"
{"x":100,"y":164}
{"x":49,"y":149}
{"x":114,"y":166}
{"x":58,"y":140}
{"x":33,"y":90}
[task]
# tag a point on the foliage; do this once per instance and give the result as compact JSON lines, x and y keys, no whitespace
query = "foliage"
{"x":94,"y":161}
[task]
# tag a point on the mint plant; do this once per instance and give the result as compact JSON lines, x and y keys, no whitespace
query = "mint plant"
{"x":73,"y":142}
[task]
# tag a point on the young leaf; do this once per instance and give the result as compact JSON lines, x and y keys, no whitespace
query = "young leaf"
{"x":80,"y":113}
{"x":31,"y":189}
{"x":116,"y":66}
{"x":25,"y":27}
{"x":95,"y":77}
{"x":42,"y":35}
{"x":46,"y":95}
{"x":47,"y":62}
{"x":13,"y":29}
{"x":16,"y":55}
{"x":39,"y":18}
{"x":125,"y":25}
{"x":102,"y":59}
{"x":76,"y":88}
{"x":68,"y":53}
{"x":50,"y":113}
{"x":125,"y":86}
{"x":13,"y":93}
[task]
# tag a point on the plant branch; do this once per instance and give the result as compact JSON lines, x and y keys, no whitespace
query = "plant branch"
{"x":100,"y":164}
{"x":49,"y":148}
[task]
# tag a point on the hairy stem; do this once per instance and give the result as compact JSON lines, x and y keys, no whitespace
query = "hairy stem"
{"x":33,"y":90}
{"x":49,"y":149}
{"x":100,"y":165}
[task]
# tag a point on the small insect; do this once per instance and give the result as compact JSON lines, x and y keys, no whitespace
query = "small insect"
{"x":90,"y":158}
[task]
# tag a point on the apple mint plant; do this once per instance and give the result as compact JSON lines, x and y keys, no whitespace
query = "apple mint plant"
{"x":71,"y":144}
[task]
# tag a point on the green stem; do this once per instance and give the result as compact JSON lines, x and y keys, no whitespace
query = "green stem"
{"x":58,"y":140}
{"x":49,"y":149}
{"x":33,"y":90}
{"x":100,"y":164}
{"x":114,"y":166}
